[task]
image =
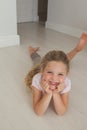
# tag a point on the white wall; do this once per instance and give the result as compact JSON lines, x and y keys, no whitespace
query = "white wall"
{"x":26,"y":10}
{"x":35,"y":10}
{"x":68,"y":16}
{"x":63,"y":15}
{"x":8,"y":23}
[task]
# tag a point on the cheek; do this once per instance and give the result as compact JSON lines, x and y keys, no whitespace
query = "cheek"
{"x":62,"y":78}
{"x":46,"y":76}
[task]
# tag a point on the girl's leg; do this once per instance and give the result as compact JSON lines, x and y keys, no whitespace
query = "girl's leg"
{"x":36,"y":58}
{"x":79,"y":47}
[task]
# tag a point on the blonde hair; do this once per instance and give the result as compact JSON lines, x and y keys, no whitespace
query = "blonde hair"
{"x":54,"y":55}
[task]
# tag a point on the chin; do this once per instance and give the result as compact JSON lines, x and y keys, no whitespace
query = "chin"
{"x":52,"y":88}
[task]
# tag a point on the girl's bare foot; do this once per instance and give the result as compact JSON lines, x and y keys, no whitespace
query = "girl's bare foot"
{"x":82,"y":42}
{"x":33,"y":49}
{"x":79,"y":47}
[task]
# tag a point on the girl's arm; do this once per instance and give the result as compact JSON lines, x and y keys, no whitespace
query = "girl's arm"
{"x":40,"y":101}
{"x":60,"y":102}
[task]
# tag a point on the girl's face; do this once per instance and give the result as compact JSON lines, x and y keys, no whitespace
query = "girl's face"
{"x":54,"y":73}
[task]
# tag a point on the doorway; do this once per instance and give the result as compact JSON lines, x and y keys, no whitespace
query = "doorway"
{"x":42,"y":10}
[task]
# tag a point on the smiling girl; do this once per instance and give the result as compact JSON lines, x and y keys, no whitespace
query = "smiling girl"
{"x":49,"y":78}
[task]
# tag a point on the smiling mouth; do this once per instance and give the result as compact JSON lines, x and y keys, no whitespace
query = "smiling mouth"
{"x":53,"y":83}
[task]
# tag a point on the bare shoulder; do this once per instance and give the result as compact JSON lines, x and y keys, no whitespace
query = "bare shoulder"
{"x":35,"y":90}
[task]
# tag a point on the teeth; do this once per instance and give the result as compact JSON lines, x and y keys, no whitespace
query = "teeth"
{"x":53,"y":83}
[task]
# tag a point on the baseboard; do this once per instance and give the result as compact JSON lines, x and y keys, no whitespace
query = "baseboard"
{"x":65,"y":29}
{"x":35,"y":18}
{"x":11,"y":40}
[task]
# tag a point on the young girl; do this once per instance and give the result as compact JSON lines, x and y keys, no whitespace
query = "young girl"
{"x":49,"y":78}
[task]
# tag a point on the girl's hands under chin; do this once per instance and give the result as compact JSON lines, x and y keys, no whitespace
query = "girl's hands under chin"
{"x":60,"y":87}
{"x":45,"y":86}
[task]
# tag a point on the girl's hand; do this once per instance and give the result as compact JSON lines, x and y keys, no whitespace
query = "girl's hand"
{"x":45,"y":86}
{"x":60,"y":87}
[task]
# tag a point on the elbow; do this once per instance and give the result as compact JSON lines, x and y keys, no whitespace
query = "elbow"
{"x":61,"y":113}
{"x":38,"y":113}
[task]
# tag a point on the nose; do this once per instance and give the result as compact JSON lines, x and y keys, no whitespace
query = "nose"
{"x":55,"y":78}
